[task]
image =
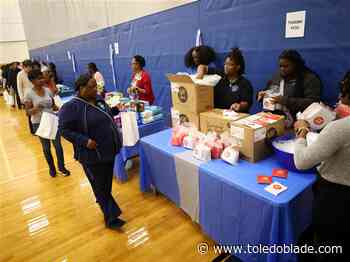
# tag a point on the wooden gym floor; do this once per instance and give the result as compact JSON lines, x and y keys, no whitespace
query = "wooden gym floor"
{"x":57,"y":219}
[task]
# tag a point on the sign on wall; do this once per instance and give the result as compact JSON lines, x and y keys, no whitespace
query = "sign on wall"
{"x":295,"y":24}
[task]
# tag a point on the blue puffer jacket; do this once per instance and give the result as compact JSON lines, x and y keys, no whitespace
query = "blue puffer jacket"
{"x":80,"y":121}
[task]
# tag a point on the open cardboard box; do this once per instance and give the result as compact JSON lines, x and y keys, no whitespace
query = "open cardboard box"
{"x":215,"y":120}
{"x":255,"y":132}
{"x":189,"y":96}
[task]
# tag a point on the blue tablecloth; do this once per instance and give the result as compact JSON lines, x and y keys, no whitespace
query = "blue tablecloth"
{"x":128,"y":152}
{"x":234,"y":209}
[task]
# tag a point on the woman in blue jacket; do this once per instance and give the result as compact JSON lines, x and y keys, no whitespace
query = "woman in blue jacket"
{"x":87,"y":122}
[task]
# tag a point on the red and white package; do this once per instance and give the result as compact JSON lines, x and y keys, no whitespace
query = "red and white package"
{"x":318,"y":116}
{"x":202,"y":152}
{"x":230,"y":155}
{"x":217,"y":150}
{"x":262,"y":179}
{"x":178,"y":135}
{"x":275,"y":188}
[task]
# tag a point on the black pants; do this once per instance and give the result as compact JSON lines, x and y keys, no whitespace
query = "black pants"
{"x":46,"y":146}
{"x":331,"y":218}
{"x":17,"y":98}
{"x":100,"y":177}
{"x":31,"y":128}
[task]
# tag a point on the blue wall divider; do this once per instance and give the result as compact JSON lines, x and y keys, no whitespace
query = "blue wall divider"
{"x":255,"y":26}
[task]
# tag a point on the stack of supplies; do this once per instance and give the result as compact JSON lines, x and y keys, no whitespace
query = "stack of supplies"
{"x":151,"y":114}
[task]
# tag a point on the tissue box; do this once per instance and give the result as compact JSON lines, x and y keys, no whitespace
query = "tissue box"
{"x":252,"y":131}
{"x":202,"y":152}
{"x":219,"y":120}
{"x":230,"y":155}
{"x":189,"y":96}
{"x":318,"y":116}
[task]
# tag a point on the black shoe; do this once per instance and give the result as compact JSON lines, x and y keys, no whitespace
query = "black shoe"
{"x":116,"y":224}
{"x":64,"y":172}
{"x":52,"y":172}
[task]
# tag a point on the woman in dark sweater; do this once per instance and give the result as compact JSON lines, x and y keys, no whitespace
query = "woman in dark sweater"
{"x":233,"y":91}
{"x":87,"y":122}
{"x":295,"y":86}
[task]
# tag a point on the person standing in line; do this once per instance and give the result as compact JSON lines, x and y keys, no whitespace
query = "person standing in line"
{"x":38,"y":100}
{"x":12,"y":83}
{"x":87,"y":122}
{"x":24,"y":86}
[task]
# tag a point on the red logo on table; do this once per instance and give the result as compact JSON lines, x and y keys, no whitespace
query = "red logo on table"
{"x":277,"y":187}
{"x":319,"y":120}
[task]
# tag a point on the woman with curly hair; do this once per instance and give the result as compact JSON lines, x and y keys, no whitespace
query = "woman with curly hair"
{"x":198,"y":58}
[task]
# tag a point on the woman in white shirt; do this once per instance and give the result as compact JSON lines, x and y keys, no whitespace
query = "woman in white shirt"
{"x":93,"y":71}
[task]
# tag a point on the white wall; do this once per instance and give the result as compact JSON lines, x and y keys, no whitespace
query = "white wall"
{"x":13,"y":51}
{"x":51,"y":21}
{"x":13,"y":45}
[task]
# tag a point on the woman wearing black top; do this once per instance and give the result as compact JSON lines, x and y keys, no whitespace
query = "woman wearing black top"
{"x":297,"y":85}
{"x":233,"y":91}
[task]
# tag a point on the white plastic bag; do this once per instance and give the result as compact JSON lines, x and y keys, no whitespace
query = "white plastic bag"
{"x":202,"y":152}
{"x":11,"y":98}
{"x":48,"y":126}
{"x":129,"y":128}
{"x":230,"y":155}
{"x":208,"y":80}
{"x":6,"y":96}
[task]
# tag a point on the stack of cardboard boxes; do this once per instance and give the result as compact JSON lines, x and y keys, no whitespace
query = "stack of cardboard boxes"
{"x":189,"y":99}
{"x":195,"y":104}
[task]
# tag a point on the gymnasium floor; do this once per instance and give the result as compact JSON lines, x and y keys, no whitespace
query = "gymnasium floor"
{"x":57,"y":219}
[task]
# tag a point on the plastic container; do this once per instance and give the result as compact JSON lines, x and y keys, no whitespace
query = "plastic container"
{"x":287,"y":159}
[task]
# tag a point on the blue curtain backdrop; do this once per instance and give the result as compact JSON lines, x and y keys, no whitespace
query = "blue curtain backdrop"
{"x":255,"y":26}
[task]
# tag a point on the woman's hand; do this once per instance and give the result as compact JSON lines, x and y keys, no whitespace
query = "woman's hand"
{"x":301,"y":128}
{"x":91,"y":144}
{"x":140,"y":90}
{"x":236,"y":107}
{"x":276,"y":100}
{"x":261,"y":95}
{"x":201,"y":71}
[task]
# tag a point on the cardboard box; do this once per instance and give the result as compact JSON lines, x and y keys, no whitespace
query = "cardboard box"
{"x":216,"y":121}
{"x":181,"y":117}
{"x":190,"y":97}
{"x":255,"y":133}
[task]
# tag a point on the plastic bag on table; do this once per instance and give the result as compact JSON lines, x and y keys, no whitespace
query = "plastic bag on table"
{"x":129,"y":128}
{"x":178,"y":135}
{"x":217,"y":150}
{"x":230,"y":155}
{"x":202,"y":152}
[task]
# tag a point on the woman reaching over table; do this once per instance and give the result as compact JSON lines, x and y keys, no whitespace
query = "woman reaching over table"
{"x":294,"y":87}
{"x":332,"y":195}
{"x":198,"y":58}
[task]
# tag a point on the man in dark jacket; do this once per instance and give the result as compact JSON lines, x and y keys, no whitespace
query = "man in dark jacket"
{"x":86,"y":121}
{"x":12,"y":82}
